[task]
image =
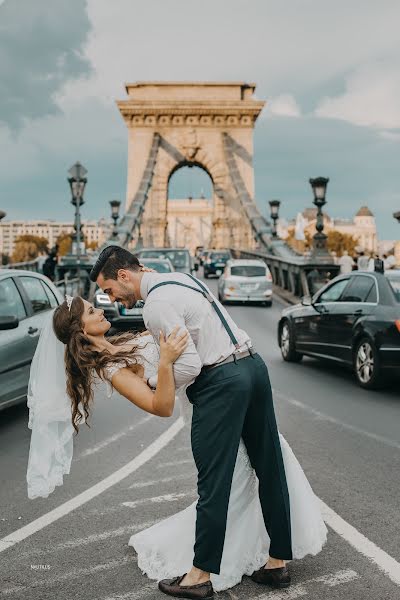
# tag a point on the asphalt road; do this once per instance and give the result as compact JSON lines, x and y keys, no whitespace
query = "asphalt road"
{"x":347,"y":440}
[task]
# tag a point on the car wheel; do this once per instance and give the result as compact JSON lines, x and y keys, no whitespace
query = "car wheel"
{"x":205,"y":275}
{"x":366,"y":365}
{"x":286,"y":343}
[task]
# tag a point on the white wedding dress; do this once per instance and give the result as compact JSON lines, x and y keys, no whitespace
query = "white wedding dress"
{"x":165,"y":549}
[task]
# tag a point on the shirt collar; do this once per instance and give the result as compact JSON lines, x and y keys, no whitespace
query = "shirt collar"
{"x":145,"y":285}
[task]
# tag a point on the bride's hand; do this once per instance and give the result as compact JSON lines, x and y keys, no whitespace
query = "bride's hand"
{"x":172,"y":347}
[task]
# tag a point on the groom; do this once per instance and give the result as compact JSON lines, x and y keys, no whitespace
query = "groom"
{"x":227,"y":382}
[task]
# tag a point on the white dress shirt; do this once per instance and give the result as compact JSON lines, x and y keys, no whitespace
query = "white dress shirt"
{"x":171,"y":305}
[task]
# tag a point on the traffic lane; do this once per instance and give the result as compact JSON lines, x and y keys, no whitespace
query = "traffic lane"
{"x":330,"y":423}
{"x":88,"y":556}
{"x":325,"y":386}
{"x":118,"y":432}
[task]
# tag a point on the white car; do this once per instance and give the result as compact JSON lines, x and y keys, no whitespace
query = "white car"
{"x":245,"y":281}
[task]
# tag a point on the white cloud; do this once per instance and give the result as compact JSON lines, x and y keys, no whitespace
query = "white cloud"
{"x":393,"y":136}
{"x":284,"y":105}
{"x":371,"y":98}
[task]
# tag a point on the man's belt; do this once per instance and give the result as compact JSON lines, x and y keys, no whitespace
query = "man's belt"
{"x":231,"y":358}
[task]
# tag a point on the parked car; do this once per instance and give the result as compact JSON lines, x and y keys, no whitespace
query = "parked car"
{"x":245,"y":281}
{"x":179,"y":257}
{"x":354,"y":320}
{"x":25,"y":299}
{"x":215,"y":262}
{"x":129,"y":318}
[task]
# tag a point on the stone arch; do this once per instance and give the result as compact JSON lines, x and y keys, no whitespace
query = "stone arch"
{"x":190,"y":119}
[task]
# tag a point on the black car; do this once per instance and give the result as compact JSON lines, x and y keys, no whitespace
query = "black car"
{"x":215,"y":262}
{"x":353,"y":320}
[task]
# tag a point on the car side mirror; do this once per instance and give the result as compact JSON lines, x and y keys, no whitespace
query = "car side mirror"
{"x":306,"y":301}
{"x":10,"y":322}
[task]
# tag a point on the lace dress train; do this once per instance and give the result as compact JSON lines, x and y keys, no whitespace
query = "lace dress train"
{"x":166,"y":549}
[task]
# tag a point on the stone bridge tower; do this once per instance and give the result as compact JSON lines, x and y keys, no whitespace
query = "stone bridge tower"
{"x":192,"y":122}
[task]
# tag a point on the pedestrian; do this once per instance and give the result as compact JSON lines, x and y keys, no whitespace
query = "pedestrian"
{"x":362,"y":261}
{"x":346,"y":263}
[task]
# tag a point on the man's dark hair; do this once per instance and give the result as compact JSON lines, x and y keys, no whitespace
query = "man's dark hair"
{"x":111,"y":259}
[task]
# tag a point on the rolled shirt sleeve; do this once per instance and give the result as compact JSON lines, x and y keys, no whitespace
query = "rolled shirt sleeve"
{"x":161,"y":315}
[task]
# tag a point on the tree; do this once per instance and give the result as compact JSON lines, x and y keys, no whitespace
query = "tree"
{"x":28,"y":247}
{"x":64,"y":242}
{"x":337,"y":242}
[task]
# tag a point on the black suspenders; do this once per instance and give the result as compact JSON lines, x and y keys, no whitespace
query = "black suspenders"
{"x":206,"y":295}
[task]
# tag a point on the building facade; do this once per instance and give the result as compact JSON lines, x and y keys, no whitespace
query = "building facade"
{"x":190,"y":223}
{"x":362,"y":227}
{"x":10,"y":230}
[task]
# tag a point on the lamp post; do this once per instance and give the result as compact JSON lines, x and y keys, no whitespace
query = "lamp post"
{"x":274,"y":204}
{"x":320,"y":246}
{"x":77,"y":181}
{"x":115,"y":204}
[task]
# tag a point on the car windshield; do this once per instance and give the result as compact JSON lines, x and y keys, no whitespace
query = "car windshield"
{"x":160,"y":267}
{"x":395,"y":285}
{"x":248,"y":271}
{"x":219,"y":256}
{"x":179,"y":258}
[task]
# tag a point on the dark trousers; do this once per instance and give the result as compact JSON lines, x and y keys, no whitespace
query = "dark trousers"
{"x":229,"y":402}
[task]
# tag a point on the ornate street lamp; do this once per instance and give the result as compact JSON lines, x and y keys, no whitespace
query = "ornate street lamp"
{"x":274,"y":204}
{"x":319,"y":185}
{"x":115,"y":204}
{"x":77,"y":181}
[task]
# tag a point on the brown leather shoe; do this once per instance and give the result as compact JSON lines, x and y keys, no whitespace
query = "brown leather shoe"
{"x":171,"y":587}
{"x":277,"y":578}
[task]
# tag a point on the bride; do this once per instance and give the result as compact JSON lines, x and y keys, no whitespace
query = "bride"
{"x":69,"y":360}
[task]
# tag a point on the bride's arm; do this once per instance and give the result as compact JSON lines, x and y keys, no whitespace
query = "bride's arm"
{"x":162,"y":401}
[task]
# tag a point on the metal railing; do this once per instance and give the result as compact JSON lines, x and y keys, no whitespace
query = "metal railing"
{"x":31,"y":265}
{"x":295,"y":276}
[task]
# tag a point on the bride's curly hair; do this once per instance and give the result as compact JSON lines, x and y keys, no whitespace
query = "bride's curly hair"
{"x":81,"y":362}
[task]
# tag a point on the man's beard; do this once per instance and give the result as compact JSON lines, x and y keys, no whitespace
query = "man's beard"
{"x":127,"y":297}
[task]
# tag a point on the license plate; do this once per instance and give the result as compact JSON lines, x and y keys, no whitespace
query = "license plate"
{"x":218,"y":272}
{"x":249,"y":287}
{"x":131,"y":311}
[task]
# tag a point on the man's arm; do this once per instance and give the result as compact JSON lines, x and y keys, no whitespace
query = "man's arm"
{"x":161,"y":315}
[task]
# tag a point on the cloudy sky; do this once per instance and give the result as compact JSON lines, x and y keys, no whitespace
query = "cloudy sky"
{"x":330,"y":72}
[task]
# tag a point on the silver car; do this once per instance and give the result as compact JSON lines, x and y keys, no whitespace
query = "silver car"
{"x":25,"y":300}
{"x":245,"y":281}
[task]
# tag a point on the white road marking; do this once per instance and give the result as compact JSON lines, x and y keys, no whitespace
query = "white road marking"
{"x":325,"y":417}
{"x":74,"y":574}
{"x":89,"y":539}
{"x":175,"y":463}
{"x":363,"y":545}
{"x":298,"y":590}
{"x":64,"y":509}
{"x":113,"y":438}
{"x":142,"y":593}
{"x":158,"y":499}
{"x":143,"y":484}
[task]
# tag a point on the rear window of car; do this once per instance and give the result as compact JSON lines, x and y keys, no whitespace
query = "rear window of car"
{"x":395,"y":285}
{"x":248,"y":271}
{"x":219,"y":256}
{"x":179,"y":258}
{"x":159,"y":267}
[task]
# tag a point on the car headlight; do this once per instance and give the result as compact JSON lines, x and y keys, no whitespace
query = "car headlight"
{"x":103,"y":299}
